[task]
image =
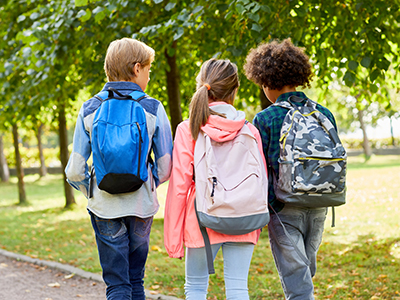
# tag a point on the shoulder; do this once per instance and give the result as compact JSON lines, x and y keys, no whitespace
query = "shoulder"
{"x":270,"y":115}
{"x":150,"y":105}
{"x":183,"y":137}
{"x":90,"y":106}
{"x":253,"y":129}
{"x":183,"y":128}
{"x":325,"y":111}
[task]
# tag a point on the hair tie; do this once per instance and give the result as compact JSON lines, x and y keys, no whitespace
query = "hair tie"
{"x":207,"y":86}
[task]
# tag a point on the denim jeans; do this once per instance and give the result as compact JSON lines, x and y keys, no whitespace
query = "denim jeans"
{"x":297,"y":265}
{"x":123,"y":245}
{"x":237,"y":258}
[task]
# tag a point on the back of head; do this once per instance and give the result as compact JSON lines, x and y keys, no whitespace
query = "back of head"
{"x":121,"y":57}
{"x":217,"y":81}
{"x":276,"y":65}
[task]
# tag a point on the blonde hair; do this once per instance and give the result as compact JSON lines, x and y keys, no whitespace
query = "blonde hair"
{"x":121,"y":57}
{"x":217,"y":81}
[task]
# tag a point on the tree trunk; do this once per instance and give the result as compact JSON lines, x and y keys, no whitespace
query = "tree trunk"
{"x":391,"y":131}
{"x":43,"y":168}
{"x":18,"y":166}
{"x":4,"y":171}
{"x":64,"y":155}
{"x":366,"y":145}
{"x":174,"y":96}
{"x":264,"y":100}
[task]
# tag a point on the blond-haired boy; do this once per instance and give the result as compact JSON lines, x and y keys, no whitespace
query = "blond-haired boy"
{"x":122,"y":222}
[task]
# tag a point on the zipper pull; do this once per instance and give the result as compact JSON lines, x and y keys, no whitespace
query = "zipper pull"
{"x":213,"y":189}
{"x":140,"y":132}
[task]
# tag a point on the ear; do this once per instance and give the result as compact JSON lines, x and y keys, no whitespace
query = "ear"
{"x":136,"y":69}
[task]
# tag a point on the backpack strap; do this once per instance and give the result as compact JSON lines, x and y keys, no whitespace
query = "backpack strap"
{"x":207,"y":245}
{"x":290,"y":102}
{"x":302,"y":256}
{"x":115,"y":94}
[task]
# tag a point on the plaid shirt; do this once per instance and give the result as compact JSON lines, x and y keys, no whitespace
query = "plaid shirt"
{"x":269,"y":123}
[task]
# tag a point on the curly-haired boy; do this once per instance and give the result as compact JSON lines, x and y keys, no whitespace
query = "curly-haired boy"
{"x":279,"y":68}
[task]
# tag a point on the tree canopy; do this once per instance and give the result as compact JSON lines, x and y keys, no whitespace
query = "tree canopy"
{"x":53,"y":49}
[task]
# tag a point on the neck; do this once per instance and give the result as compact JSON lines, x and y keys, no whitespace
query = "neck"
{"x":273,"y":95}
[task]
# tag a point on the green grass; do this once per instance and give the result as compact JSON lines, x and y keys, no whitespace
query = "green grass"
{"x":358,"y":259}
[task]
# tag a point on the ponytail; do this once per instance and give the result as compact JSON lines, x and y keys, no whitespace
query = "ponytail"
{"x":198,"y":111}
{"x":216,"y":81}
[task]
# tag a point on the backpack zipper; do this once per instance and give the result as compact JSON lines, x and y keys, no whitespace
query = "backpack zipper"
{"x":320,"y":158}
{"x":140,"y":147}
{"x":213,"y":188}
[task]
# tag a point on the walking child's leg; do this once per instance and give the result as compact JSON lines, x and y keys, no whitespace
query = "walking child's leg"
{"x":113,"y":247}
{"x":139,"y":237}
{"x":197,"y":272}
{"x":293,"y":267}
{"x":237,"y":259}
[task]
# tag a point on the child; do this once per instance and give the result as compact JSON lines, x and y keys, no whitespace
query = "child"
{"x":211,"y":111}
{"x":122,"y":222}
{"x":279,"y":68}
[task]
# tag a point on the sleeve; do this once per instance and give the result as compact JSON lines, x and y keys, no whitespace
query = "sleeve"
{"x":329,"y":115}
{"x":264,"y":136}
{"x":257,"y":135}
{"x":77,"y":170}
{"x":178,"y":191}
{"x":162,"y":147}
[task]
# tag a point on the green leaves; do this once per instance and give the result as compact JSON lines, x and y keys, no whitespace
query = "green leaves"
{"x":85,"y":15}
{"x":99,"y":13}
{"x":254,"y":17}
{"x":349,"y":78}
{"x":178,"y":33}
{"x":366,"y":62}
{"x":240,"y":8}
{"x":170,"y":6}
{"x":256,"y":27}
{"x":81,"y":2}
{"x":375,"y":74}
{"x":383,"y":63}
{"x":353,"y":65}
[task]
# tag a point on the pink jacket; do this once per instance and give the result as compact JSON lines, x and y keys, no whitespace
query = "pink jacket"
{"x":180,"y":222}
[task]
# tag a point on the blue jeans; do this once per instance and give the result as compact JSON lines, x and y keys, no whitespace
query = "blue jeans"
{"x":237,"y":258}
{"x":123,"y":245}
{"x":297,"y":265}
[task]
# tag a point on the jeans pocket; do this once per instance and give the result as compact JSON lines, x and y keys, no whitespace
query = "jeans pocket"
{"x":143,"y":226}
{"x":291,"y":224}
{"x":113,"y":228}
{"x":316,"y":233}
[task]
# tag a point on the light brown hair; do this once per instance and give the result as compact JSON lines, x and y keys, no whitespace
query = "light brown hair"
{"x":121,"y":57}
{"x":222,"y":78}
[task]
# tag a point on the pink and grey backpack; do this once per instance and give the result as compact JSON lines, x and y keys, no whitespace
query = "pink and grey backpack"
{"x":231,"y":186}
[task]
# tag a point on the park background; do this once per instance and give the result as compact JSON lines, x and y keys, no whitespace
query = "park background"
{"x":51,"y":61}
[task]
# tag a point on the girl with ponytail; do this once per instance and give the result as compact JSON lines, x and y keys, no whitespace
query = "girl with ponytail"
{"x":211,"y":110}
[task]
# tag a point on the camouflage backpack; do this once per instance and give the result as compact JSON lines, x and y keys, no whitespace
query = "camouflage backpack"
{"x":312,"y":162}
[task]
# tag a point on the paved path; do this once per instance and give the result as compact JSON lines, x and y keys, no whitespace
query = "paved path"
{"x":25,"y":278}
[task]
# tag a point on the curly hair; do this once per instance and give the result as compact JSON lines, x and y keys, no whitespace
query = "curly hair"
{"x":276,"y":65}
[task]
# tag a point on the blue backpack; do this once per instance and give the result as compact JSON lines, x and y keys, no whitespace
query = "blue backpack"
{"x":120,"y":142}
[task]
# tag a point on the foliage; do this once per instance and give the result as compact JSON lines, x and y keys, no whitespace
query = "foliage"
{"x":358,"y":259}
{"x":59,"y":46}
{"x":30,"y":157}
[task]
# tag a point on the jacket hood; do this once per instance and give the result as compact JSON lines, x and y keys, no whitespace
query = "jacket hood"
{"x":224,"y":129}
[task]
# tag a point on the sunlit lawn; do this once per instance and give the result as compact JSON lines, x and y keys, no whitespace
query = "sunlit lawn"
{"x":358,"y":259}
